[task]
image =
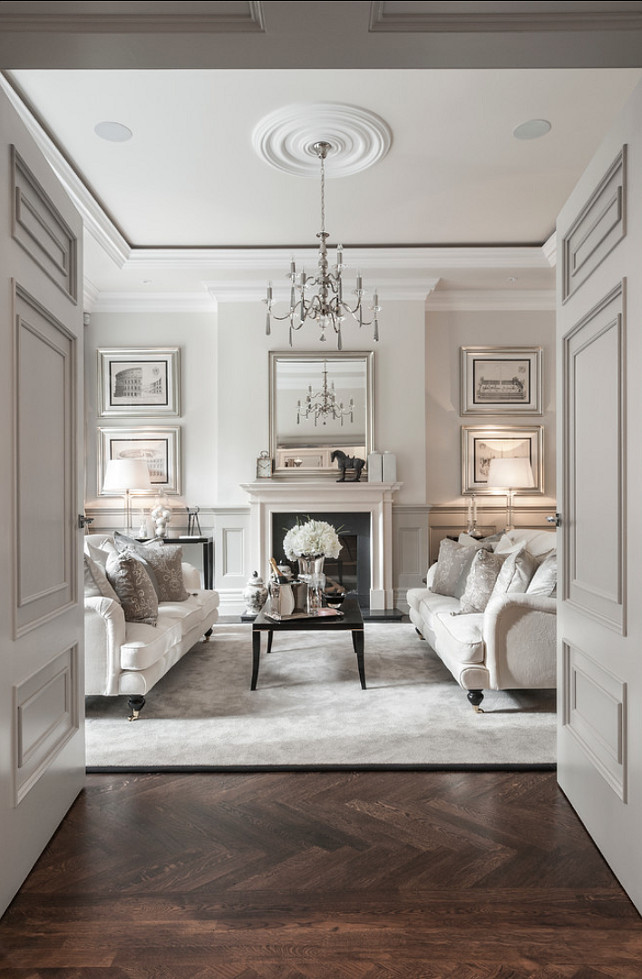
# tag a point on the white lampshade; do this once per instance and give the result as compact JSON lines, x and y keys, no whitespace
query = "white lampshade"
{"x":126,"y":474}
{"x":510,"y":474}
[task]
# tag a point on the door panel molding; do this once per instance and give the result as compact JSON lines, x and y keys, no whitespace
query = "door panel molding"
{"x":594,"y":427}
{"x":597,"y":229}
{"x":594,"y":713}
{"x":44,"y":566}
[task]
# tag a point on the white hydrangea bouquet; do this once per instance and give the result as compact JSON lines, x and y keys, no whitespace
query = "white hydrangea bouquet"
{"x":312,"y":539}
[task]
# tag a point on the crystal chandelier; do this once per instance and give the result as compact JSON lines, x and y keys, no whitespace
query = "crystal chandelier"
{"x":323,"y":404}
{"x":327,"y":306}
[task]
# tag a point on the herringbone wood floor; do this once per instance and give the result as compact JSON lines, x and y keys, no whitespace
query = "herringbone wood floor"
{"x":310,"y":875}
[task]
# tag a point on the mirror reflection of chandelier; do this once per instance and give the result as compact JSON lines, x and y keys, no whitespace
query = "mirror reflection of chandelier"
{"x":323,"y":404}
{"x":326,"y":307}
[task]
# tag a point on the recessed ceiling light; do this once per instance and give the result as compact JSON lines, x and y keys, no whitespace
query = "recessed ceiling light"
{"x":532,"y":129}
{"x":115,"y":132}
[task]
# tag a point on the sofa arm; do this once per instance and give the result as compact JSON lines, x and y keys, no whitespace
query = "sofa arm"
{"x":104,"y":635}
{"x":520,"y":638}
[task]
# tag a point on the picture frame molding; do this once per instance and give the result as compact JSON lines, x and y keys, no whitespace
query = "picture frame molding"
{"x":107,"y":356}
{"x":469,"y":356}
{"x":470,"y":434}
{"x":172,"y":434}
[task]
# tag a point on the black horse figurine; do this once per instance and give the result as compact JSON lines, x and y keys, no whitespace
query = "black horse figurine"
{"x":345,"y":462}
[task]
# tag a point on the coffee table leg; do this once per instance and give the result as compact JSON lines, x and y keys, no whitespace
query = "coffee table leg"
{"x":256,"y":652}
{"x":358,"y":643}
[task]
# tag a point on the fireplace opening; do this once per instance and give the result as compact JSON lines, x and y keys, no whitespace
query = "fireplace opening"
{"x":351,"y":569}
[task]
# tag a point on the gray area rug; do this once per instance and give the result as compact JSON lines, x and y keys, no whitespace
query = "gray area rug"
{"x":309,"y":709}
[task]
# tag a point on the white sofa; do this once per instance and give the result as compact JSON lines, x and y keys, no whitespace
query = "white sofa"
{"x":130,"y":657}
{"x":510,"y":643}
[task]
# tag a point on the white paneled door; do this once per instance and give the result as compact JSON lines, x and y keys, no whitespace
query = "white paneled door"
{"x":599,"y":240}
{"x":41,"y":623}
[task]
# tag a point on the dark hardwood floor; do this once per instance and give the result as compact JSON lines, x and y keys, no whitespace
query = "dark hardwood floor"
{"x":331,"y":874}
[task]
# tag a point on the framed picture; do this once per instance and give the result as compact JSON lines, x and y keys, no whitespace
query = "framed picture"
{"x":480,"y":444}
{"x":138,"y":381}
{"x":501,"y":380}
{"x":159,"y":447}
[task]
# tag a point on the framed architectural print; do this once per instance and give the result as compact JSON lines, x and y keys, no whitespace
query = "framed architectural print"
{"x":159,"y":447}
{"x":480,"y":444}
{"x":501,"y":380}
{"x":138,"y":381}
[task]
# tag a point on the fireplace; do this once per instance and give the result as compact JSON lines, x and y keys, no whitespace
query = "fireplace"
{"x":336,"y":502}
{"x":352,"y":568}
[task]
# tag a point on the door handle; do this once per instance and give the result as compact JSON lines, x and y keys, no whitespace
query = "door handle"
{"x":84,"y":521}
{"x":556,"y":520}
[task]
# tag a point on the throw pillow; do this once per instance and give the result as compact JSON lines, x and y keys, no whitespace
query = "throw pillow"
{"x":453,"y":566}
{"x":163,"y":563}
{"x":544,"y":581}
{"x":132,"y":584}
{"x":481,"y":580}
{"x":96,"y":583}
{"x":516,"y":572}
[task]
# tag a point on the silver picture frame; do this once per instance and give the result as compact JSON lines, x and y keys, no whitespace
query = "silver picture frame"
{"x":138,"y":381}
{"x":159,"y":447}
{"x":501,"y":380}
{"x":481,"y":443}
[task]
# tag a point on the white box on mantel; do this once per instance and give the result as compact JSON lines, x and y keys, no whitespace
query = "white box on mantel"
{"x":389,"y":467}
{"x":375,"y":467}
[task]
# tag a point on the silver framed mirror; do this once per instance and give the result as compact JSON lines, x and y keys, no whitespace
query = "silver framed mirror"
{"x":319,"y":404}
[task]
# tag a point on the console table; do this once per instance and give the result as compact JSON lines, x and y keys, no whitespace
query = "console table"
{"x":207,"y":544}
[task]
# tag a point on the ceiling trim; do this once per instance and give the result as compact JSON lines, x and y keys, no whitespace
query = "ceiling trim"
{"x":175,"y":17}
{"x":508,"y":17}
{"x":156,"y":302}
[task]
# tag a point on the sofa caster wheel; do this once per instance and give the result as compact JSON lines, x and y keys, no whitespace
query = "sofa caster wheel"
{"x":419,"y":634}
{"x":135,"y":705}
{"x":206,"y":636}
{"x":475,"y":697}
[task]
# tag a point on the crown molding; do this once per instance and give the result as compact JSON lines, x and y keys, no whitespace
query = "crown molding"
{"x":473,"y":300}
{"x":157,"y":302}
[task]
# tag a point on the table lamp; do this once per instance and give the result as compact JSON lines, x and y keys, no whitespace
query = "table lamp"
{"x":509,"y":475}
{"x":123,"y":476}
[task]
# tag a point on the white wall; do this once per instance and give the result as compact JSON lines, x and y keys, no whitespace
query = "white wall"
{"x":448,"y":331}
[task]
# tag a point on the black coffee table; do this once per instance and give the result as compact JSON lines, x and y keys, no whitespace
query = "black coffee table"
{"x":350,"y":619}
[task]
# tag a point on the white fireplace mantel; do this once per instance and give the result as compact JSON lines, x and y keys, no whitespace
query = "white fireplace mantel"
{"x":269,"y":496}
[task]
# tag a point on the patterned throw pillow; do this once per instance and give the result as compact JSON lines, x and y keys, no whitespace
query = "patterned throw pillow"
{"x":132,"y":584}
{"x":516,"y":572}
{"x":453,"y":565}
{"x":481,"y":581}
{"x":163,"y":563}
{"x":544,"y":581}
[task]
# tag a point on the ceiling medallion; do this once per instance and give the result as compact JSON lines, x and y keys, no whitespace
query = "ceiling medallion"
{"x":286,"y":137}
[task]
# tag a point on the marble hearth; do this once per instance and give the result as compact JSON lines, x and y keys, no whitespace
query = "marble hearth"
{"x":270,"y":496}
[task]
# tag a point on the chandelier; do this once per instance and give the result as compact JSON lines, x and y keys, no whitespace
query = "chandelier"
{"x":327,"y":306}
{"x":323,"y":404}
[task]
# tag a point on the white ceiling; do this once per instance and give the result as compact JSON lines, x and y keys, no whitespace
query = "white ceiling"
{"x":191,"y":179}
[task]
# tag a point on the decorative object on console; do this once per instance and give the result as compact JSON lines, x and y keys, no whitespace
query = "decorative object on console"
{"x":481,"y":444}
{"x":344,"y":463}
{"x":123,"y":476}
{"x":139,"y":381}
{"x":327,"y":307}
{"x":193,"y":523}
{"x":501,"y":380}
{"x":255,"y":594}
{"x":509,"y":475}
{"x":162,"y":515}
{"x":471,"y":527}
{"x":263,"y":465}
{"x":323,"y":404}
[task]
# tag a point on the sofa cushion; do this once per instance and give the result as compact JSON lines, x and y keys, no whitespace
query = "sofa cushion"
{"x":132,"y":584}
{"x":453,"y":565}
{"x":544,"y":581}
{"x":480,"y":582}
{"x":459,"y":637}
{"x":163,"y":563}
{"x":96,"y":583}
{"x":144,"y":645}
{"x":516,"y":572}
{"x":538,"y":542}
